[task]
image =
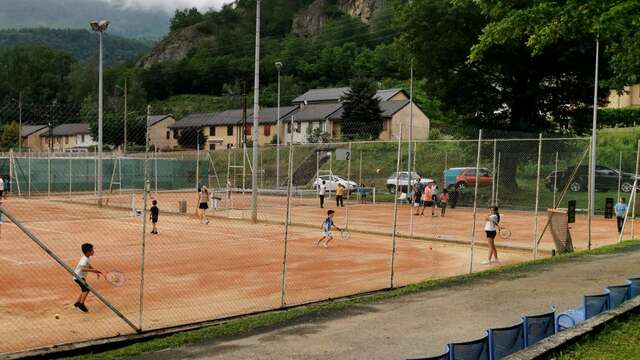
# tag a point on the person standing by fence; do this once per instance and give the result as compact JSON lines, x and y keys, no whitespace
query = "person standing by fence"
{"x":340,"y":195}
{"x":621,"y":210}
{"x":322,"y":189}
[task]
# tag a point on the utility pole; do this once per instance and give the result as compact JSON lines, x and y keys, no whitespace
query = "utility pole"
{"x":243,"y":136}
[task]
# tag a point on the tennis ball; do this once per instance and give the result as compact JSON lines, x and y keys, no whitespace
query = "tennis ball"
{"x":56,"y":316}
{"x":377,"y":171}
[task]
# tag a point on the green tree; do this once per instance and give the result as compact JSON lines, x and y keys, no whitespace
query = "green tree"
{"x":361,"y":118}
{"x":185,"y":17}
{"x":317,"y":135}
{"x":10,"y":136}
{"x":190,"y":138}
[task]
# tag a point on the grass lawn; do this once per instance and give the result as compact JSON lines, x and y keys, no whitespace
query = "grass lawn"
{"x":247,"y":324}
{"x":618,"y":340}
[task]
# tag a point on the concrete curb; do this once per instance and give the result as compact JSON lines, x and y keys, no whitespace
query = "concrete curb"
{"x":568,"y":337}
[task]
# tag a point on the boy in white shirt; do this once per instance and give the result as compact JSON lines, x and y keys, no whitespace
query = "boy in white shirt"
{"x":327,"y":225}
{"x":81,"y":270}
{"x":322,"y":189}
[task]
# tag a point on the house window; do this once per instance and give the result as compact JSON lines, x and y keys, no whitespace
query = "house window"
{"x":212,"y":146}
{"x":168,"y":135}
{"x":289,"y":128}
{"x":176,"y":133}
{"x":267,"y":130}
{"x":247,"y":130}
{"x":212,"y":131}
{"x":385,"y":125}
{"x":82,"y":137}
{"x":298,"y":127}
{"x":229,"y":130}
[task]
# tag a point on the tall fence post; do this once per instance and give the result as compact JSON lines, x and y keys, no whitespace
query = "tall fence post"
{"x":619,"y":176}
{"x":48,"y":174}
{"x":590,"y":205}
{"x":146,"y":189}
{"x":535,"y":221}
{"x":70,"y":176}
{"x":493,"y":173}
{"x":475,"y":202}
{"x":346,"y":212}
{"x":633,"y":211}
{"x":497,"y":175}
{"x":395,"y":210}
{"x":29,"y":173}
{"x":555,"y":182}
{"x":287,"y":219}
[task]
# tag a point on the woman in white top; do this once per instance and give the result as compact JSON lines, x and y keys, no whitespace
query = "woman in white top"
{"x":491,"y":228}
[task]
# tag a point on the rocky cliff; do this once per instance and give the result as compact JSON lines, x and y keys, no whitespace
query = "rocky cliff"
{"x":176,"y":46}
{"x":310,"y":21}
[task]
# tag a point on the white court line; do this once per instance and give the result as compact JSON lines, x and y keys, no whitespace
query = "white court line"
{"x":12,"y":261}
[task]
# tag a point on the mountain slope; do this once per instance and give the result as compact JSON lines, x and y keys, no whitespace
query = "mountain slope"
{"x":82,"y":44}
{"x":76,"y":14}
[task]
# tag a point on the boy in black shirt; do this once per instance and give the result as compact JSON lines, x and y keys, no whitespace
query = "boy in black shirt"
{"x":154,"y":216}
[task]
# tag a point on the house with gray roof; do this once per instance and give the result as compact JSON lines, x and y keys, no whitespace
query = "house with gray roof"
{"x":395,"y":104}
{"x":228,"y":128}
{"x":335,"y":95}
{"x":160,"y":134}
{"x":308,"y":118}
{"x":73,"y":137}
{"x":30,"y":137}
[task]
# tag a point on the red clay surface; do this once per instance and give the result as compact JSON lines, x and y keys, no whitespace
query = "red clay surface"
{"x":196,"y":272}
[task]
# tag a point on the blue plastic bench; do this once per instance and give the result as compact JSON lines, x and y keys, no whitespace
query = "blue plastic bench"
{"x":470,"y":350}
{"x":506,"y":340}
{"x":618,"y":294}
{"x":593,"y":305}
{"x":538,"y":327}
{"x":634,"y":288}
{"x":443,"y":356}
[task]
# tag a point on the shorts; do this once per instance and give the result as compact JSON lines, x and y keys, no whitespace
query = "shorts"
{"x":203,"y":205}
{"x":491,"y":234}
{"x":428,"y":203}
{"x":154,"y":220}
{"x":82,"y":287}
{"x":327,"y":234}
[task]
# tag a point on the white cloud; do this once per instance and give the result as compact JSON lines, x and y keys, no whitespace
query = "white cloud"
{"x":169,"y":6}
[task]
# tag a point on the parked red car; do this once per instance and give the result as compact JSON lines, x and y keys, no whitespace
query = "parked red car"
{"x":467,"y":177}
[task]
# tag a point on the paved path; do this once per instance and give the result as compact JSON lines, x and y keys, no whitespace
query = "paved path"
{"x":421,"y":324}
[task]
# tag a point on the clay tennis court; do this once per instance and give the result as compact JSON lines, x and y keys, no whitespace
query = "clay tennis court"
{"x":196,"y":272}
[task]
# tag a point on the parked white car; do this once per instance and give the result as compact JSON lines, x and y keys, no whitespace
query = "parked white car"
{"x":332,"y":181}
{"x":402,"y":180}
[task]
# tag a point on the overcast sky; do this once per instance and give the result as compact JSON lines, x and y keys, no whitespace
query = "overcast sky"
{"x":170,"y":6}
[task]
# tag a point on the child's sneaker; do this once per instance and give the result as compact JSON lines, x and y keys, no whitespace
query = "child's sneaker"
{"x":495,"y":261}
{"x":82,"y":308}
{"x":485,"y":262}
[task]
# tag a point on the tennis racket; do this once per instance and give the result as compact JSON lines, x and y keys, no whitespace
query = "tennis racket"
{"x":115,"y":278}
{"x":505,"y":233}
{"x":346,"y":235}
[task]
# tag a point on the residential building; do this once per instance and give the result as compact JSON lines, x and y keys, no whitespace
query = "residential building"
{"x":75,"y":137}
{"x":227,"y":129}
{"x":630,"y":97}
{"x":160,"y":134}
{"x":309,"y":117}
{"x":30,"y":137}
{"x":394,"y":113}
{"x":394,"y":103}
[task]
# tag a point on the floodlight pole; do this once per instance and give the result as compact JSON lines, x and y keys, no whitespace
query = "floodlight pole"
{"x":100,"y":27}
{"x":256,"y":115}
{"x":592,"y":184}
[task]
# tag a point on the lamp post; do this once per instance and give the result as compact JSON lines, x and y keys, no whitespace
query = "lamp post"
{"x":278,"y":67}
{"x":100,"y":27}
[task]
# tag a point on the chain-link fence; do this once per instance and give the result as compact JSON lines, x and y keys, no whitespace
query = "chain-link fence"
{"x":209,"y":255}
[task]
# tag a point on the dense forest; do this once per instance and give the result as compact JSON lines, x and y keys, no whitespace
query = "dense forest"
{"x":81,"y":44}
{"x":488,"y":64}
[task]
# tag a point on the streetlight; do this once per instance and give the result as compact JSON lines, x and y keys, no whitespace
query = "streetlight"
{"x":256,"y":116}
{"x":99,"y":27}
{"x":278,"y":67}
